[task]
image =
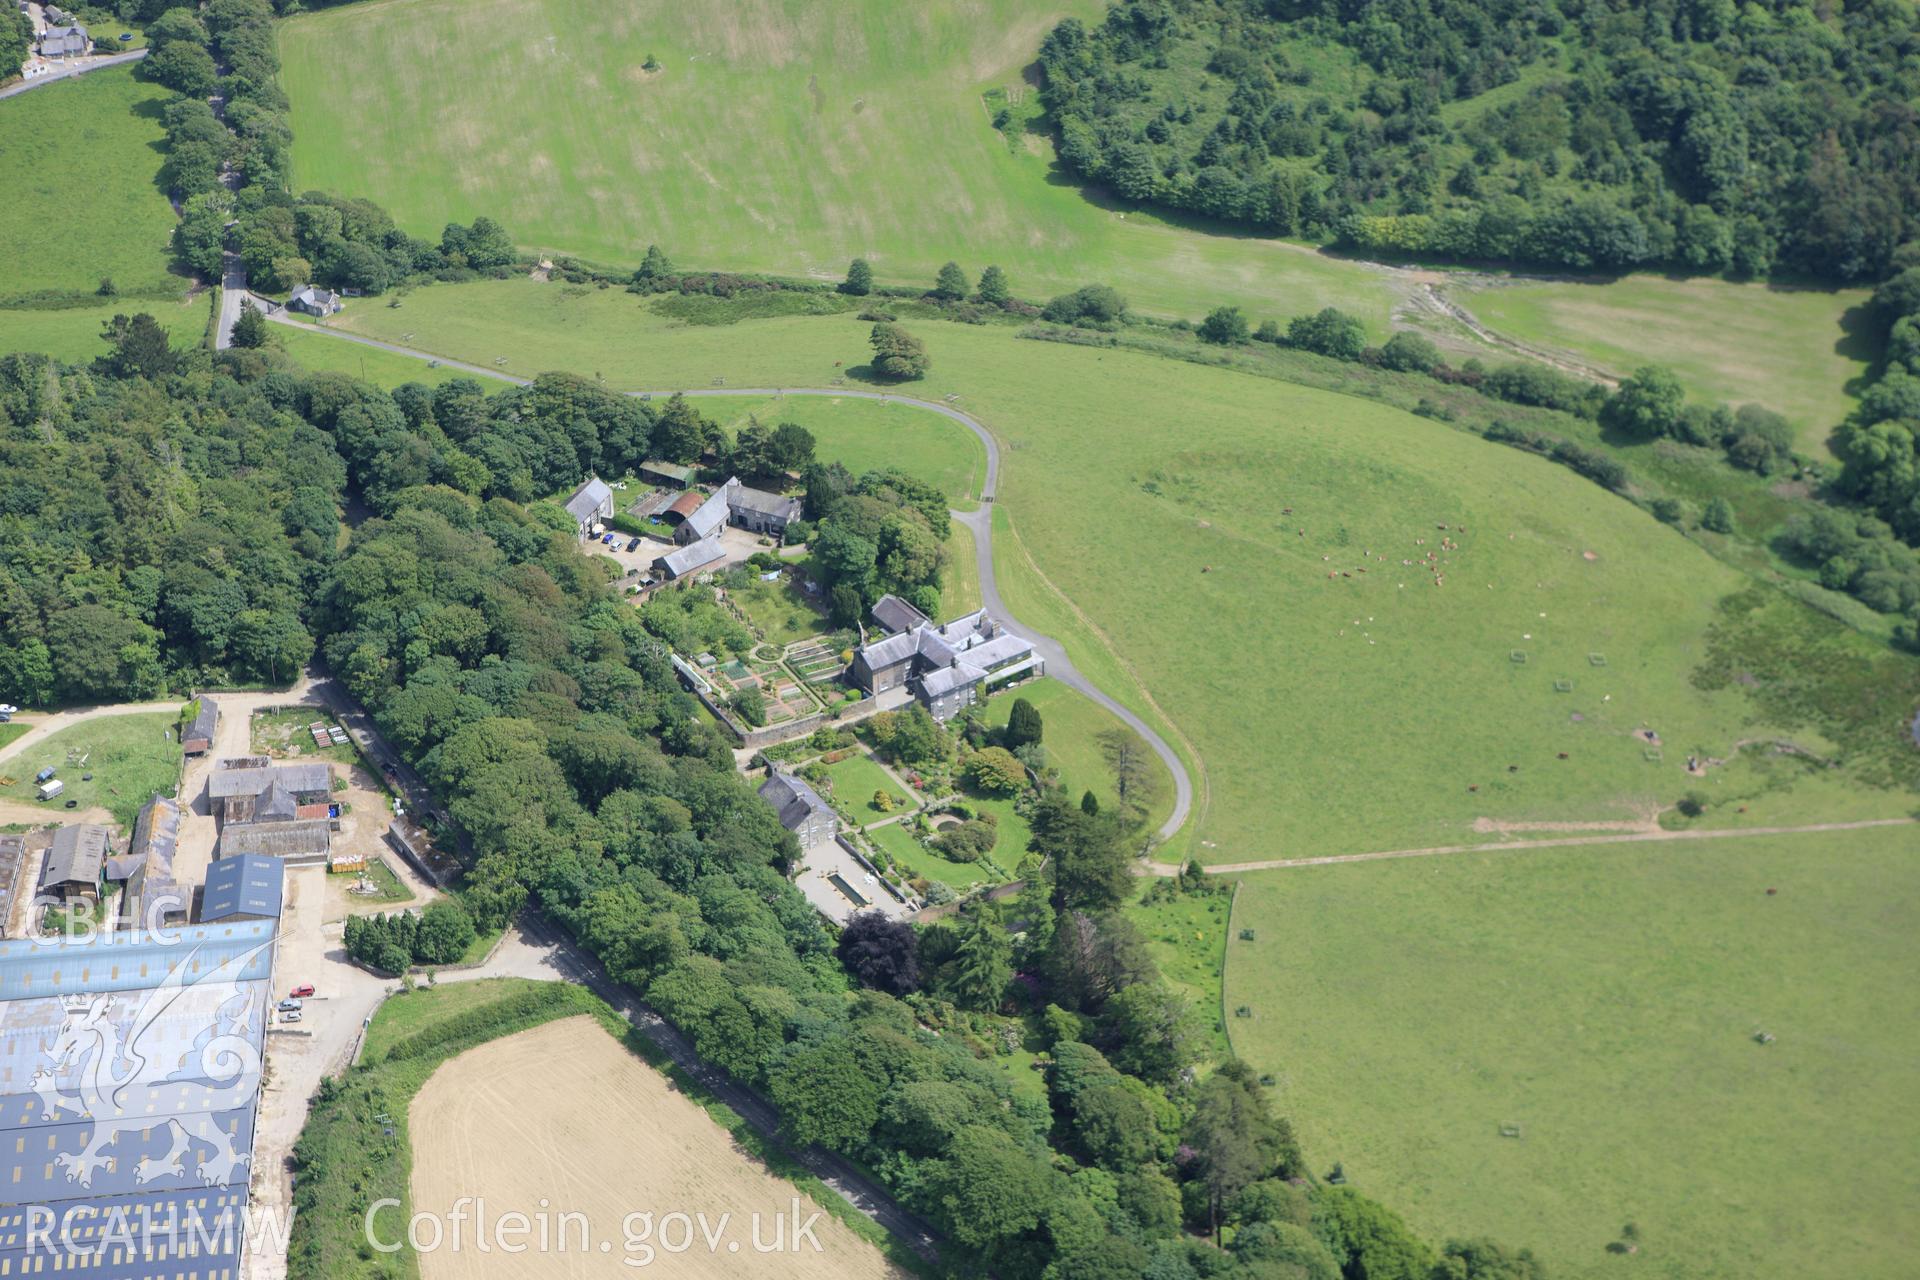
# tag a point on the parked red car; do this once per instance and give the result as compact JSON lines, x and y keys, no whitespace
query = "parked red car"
{"x":301,"y":992}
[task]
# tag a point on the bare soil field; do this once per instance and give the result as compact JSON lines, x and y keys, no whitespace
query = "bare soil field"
{"x":564,"y":1116}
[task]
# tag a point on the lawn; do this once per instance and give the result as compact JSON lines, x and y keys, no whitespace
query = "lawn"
{"x":79,"y":162}
{"x":1786,"y":348}
{"x":1074,"y":728}
{"x":11,"y":730}
{"x":919,"y":860}
{"x":72,"y":334}
{"x":1605,"y":1001}
{"x":960,"y":582}
{"x":786,"y":137}
{"x":856,"y":779}
{"x":130,"y":758}
{"x":1319,"y":715}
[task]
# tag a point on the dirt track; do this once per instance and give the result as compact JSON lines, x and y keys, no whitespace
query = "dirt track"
{"x":564,"y":1115}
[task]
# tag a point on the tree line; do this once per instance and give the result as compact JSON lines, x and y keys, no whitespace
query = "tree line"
{"x":1683,"y":132}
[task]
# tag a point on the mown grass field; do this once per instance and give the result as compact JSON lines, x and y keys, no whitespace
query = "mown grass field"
{"x":1321,"y":715}
{"x":79,"y":162}
{"x":856,"y":780}
{"x":1605,"y":1000}
{"x":776,"y":136}
{"x":129,"y":759}
{"x":1786,"y":348}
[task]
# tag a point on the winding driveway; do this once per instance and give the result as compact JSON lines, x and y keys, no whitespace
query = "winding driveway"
{"x":978,"y":521}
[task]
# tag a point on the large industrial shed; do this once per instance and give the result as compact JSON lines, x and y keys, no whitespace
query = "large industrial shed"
{"x":144,"y":1137}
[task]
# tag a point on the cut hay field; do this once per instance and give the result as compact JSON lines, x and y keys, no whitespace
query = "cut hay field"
{"x":1786,"y":348}
{"x":78,"y":165}
{"x":1605,"y":1001}
{"x":1320,"y":715}
{"x":778,"y":136}
{"x":564,"y":1115}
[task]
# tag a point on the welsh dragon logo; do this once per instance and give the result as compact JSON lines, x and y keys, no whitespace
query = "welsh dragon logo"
{"x":98,"y":1069}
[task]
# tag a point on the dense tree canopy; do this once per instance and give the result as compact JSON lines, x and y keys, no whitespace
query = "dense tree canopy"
{"x":1692,"y":132}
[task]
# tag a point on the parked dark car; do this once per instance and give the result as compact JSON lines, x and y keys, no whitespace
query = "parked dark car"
{"x":633,"y":544}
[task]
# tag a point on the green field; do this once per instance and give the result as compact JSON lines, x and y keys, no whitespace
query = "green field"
{"x":782,"y":136}
{"x":1072,"y":728}
{"x":1605,"y":1000}
{"x":869,"y":435}
{"x":79,"y":162}
{"x":73,"y":334}
{"x":1785,"y":348}
{"x":1174,"y":569}
{"x":130,"y":758}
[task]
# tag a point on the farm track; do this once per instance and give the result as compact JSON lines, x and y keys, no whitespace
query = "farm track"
{"x":1638,"y":837}
{"x":979,"y":521}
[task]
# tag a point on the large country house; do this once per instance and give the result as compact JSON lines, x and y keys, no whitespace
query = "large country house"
{"x":948,"y":667}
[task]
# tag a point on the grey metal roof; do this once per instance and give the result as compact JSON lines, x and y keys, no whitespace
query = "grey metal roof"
{"x":672,"y":470}
{"x":792,"y":799}
{"x":692,"y":556}
{"x":590,"y":499}
{"x":77,"y":854}
{"x":253,"y":779}
{"x":247,"y":884}
{"x":307,"y":838}
{"x":896,"y":615}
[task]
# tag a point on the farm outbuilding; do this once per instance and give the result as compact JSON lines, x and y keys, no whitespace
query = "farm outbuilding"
{"x":590,"y":504}
{"x":197,"y":738}
{"x":246,"y":886}
{"x":74,"y":863}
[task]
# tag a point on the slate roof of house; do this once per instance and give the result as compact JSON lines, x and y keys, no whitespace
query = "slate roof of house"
{"x":253,"y":780}
{"x":246,"y":884}
{"x":792,"y":799}
{"x":693,"y":556}
{"x":60,"y":41}
{"x":896,"y":615}
{"x":312,"y":293}
{"x":712,"y":513}
{"x":309,"y":837}
{"x":589,"y":499}
{"x":77,"y":854}
{"x":746,"y":498}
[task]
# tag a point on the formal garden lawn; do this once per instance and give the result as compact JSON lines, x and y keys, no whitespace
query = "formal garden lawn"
{"x":1321,"y":715}
{"x":1605,"y":1000}
{"x":130,"y":758}
{"x":1786,"y":348}
{"x":785,"y":137}
{"x":79,"y":166}
{"x":856,"y":780}
{"x":919,"y":860}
